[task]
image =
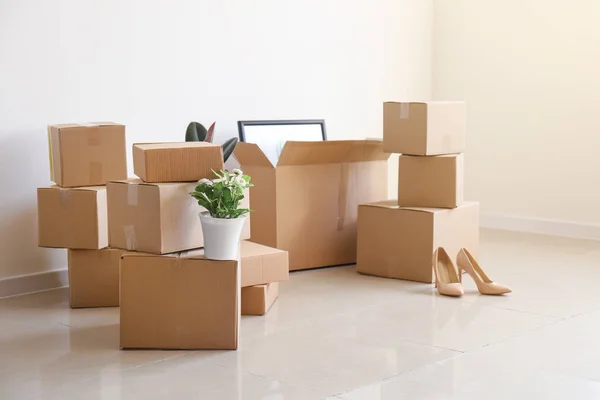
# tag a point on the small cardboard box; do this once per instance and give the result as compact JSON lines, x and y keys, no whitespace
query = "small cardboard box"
{"x":396,"y":242}
{"x":156,"y":218}
{"x":262,"y":264}
{"x":94,"y":278}
{"x":307,"y":204}
{"x":424,"y":128}
{"x":179,"y":301}
{"x":176,"y":162}
{"x":72,"y":218}
{"x":257,"y":300}
{"x":87,"y":154}
{"x":436,"y":181}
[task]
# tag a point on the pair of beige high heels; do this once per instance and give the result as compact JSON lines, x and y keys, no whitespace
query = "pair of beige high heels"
{"x":448,"y":277}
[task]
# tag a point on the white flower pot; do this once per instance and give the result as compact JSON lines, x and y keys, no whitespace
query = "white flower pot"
{"x":221,"y":236}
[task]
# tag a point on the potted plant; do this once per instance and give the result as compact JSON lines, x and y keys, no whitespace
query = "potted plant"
{"x":196,"y":132}
{"x":223,"y":220}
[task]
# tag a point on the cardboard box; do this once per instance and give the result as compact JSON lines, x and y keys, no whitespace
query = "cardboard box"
{"x":155,"y":218}
{"x":262,"y":264}
{"x":307,"y":204}
{"x":87,"y":154}
{"x":72,"y":218}
{"x":257,"y":300}
{"x":176,"y":162}
{"x":424,"y":128}
{"x":396,"y":242}
{"x":179,"y":301}
{"x":94,"y":278}
{"x":436,"y":181}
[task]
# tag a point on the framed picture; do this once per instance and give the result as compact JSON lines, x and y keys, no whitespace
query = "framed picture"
{"x":271,"y":136}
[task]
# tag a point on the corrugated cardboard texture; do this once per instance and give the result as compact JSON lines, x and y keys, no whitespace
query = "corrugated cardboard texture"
{"x":307,"y":205}
{"x":262,"y":264}
{"x":431,"y":181}
{"x":87,"y":154}
{"x":424,"y":128}
{"x":399,"y":243}
{"x":179,"y":302}
{"x":94,"y":278}
{"x":176,"y":162}
{"x":156,"y":218}
{"x":257,"y":300}
{"x":72,"y":218}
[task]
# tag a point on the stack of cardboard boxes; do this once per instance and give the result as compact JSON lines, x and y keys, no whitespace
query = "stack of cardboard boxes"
{"x":396,"y":239}
{"x":135,"y":243}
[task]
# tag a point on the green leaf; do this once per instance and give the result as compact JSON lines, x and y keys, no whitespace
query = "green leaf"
{"x":195,"y":132}
{"x":228,"y":148}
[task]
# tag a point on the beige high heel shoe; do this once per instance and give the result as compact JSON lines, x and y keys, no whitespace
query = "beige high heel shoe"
{"x":447,"y":279}
{"x":466,"y":262}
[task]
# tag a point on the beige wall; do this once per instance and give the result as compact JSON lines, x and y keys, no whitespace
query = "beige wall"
{"x":156,"y":65}
{"x":529,"y":70}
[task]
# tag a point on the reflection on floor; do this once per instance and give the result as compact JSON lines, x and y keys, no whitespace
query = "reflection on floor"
{"x":336,"y":334}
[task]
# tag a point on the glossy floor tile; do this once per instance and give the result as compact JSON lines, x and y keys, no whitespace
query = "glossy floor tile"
{"x":335,"y":334}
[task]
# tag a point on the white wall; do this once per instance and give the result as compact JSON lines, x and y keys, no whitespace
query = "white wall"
{"x":529,"y":72}
{"x":156,"y":65}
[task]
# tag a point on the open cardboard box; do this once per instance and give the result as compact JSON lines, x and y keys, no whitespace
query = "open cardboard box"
{"x":307,"y":204}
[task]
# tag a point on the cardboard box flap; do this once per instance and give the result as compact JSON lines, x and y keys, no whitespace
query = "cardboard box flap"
{"x":426,"y":102}
{"x":251,"y":154}
{"x":137,"y":181}
{"x":393,"y":204}
{"x":251,"y":249}
{"x":83,"y":188}
{"x":173,"y":145}
{"x":142,"y":254}
{"x":332,"y":152}
{"x":89,"y":124}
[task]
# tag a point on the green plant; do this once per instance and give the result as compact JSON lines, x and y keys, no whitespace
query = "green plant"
{"x":222,"y":196}
{"x":196,"y":132}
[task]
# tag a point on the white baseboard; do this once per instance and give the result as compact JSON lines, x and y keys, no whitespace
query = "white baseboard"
{"x":541,"y":226}
{"x":31,"y":283}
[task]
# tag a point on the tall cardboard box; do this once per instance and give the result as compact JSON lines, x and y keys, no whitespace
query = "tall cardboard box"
{"x":307,"y":203}
{"x":176,"y":162}
{"x":433,"y":181}
{"x":94,"y":277}
{"x":258,"y":300}
{"x":262,"y":264}
{"x":396,"y":242}
{"x":424,"y":128}
{"x":87,"y":154}
{"x":155,"y":218}
{"x":179,"y":301}
{"x":72,"y":218}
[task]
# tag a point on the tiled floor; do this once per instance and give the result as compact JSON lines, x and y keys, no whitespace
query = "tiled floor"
{"x":338,"y":335}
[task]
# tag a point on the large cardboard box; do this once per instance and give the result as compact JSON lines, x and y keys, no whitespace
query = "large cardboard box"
{"x":179,"y":301}
{"x":155,"y":218}
{"x":307,"y":204}
{"x":257,"y":300}
{"x":72,"y":218}
{"x":176,"y":162}
{"x":94,"y":277}
{"x":424,"y":128}
{"x":395,"y":242}
{"x":436,"y":181}
{"x":262,"y":264}
{"x":87,"y":154}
